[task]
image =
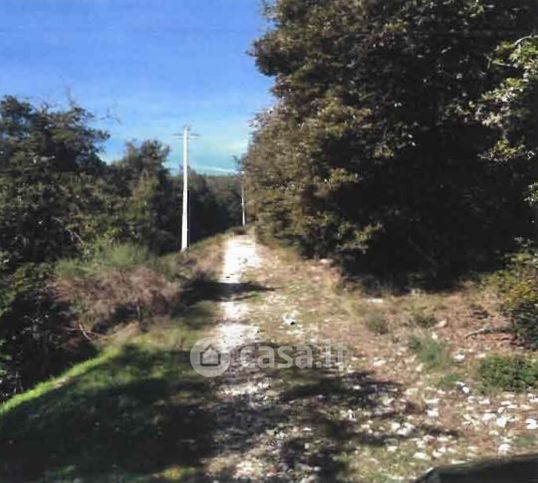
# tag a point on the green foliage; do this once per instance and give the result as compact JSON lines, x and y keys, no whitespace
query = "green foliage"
{"x":377,"y":323}
{"x":149,"y":205}
{"x":49,"y":166}
{"x":36,"y":330}
{"x":508,"y":373}
{"x":126,"y":255}
{"x":59,"y":202}
{"x":448,"y":381}
{"x":403,"y":131}
{"x":430,"y":352}
{"x":117,"y":256}
{"x":518,"y":287}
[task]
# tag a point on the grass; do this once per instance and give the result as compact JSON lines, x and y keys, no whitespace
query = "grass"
{"x":377,"y":323}
{"x":117,"y":256}
{"x":430,"y":352}
{"x":526,"y":442}
{"x":448,"y":381}
{"x":422,"y":320}
{"x":135,"y":412}
{"x":507,"y":373}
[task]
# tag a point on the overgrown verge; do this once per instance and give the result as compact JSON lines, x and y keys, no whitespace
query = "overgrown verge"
{"x":59,"y":199}
{"x":38,"y":336}
{"x":508,"y":373}
{"x":470,"y":390}
{"x":518,"y":286}
{"x":135,"y":410}
{"x":55,"y":315}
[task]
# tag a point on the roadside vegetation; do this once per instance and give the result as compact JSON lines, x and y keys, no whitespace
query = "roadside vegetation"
{"x":394,"y":186}
{"x":135,"y":408}
{"x":81,"y":239}
{"x":508,"y":373}
{"x":403,"y":144}
{"x":423,"y":384}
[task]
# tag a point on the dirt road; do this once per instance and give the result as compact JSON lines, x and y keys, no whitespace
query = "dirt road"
{"x":376,"y":415}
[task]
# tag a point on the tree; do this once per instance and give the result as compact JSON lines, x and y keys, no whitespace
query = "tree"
{"x":377,"y":145}
{"x":59,"y":200}
{"x":48,"y":164}
{"x":51,"y":204}
{"x":150,"y":203}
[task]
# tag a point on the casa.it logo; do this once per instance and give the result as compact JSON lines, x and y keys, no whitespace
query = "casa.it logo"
{"x":208,"y":358}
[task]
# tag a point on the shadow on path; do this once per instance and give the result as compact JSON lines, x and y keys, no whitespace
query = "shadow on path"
{"x":142,"y":411}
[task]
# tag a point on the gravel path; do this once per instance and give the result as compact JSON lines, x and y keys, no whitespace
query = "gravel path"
{"x":264,"y":431}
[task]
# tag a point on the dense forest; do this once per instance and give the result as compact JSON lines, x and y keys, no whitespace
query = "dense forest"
{"x":405,"y":133}
{"x":59,"y":200}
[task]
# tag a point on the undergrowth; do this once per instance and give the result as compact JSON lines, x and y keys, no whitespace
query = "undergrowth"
{"x":377,"y":323}
{"x":508,"y":373}
{"x":518,"y":288}
{"x":430,"y":352}
{"x":108,"y":257}
{"x":135,"y":407}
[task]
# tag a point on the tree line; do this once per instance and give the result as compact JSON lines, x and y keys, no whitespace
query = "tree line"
{"x":59,"y":199}
{"x":404,"y":136}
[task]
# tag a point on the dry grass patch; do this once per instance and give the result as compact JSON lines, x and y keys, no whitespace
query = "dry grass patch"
{"x":124,"y":283}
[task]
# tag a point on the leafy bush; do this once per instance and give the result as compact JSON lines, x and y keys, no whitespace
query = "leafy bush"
{"x":509,"y":373}
{"x":376,"y":322}
{"x":518,"y":286}
{"x":432,"y":353}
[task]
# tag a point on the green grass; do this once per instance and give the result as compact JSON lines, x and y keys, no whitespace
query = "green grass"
{"x":135,"y":410}
{"x":430,"y":352}
{"x":118,"y":256}
{"x":507,"y":373}
{"x":448,"y":381}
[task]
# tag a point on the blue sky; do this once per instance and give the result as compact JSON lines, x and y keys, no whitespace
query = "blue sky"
{"x":152,"y":65}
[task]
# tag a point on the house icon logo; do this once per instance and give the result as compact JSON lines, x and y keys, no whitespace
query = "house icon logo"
{"x":208,"y":359}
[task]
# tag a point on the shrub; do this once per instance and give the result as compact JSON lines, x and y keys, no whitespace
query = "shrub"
{"x":376,"y":322}
{"x":239,"y":230}
{"x":123,"y":256}
{"x":509,"y":373}
{"x":71,"y":268}
{"x":518,"y":286}
{"x":422,"y":319}
{"x":432,"y":353}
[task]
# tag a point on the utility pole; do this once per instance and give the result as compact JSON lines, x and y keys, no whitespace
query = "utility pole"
{"x":187,"y":136}
{"x":185,"y":211}
{"x":243,"y":211}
